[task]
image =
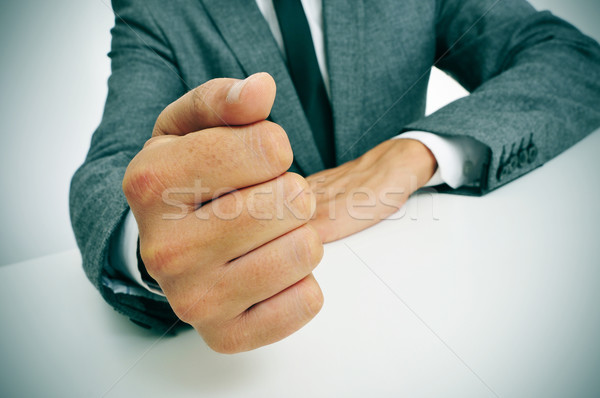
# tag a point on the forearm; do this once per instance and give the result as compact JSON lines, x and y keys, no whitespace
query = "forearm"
{"x":142,"y":83}
{"x":535,"y":80}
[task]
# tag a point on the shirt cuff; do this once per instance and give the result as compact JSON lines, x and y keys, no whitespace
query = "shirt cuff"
{"x":124,"y":254}
{"x":459,"y":158}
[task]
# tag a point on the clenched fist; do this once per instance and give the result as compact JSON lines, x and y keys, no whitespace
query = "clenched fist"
{"x":223,"y":227}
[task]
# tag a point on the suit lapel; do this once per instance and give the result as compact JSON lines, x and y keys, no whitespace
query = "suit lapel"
{"x":343,"y":23}
{"x":247,"y":34}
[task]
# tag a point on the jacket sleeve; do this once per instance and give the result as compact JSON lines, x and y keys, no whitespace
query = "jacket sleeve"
{"x":534,"y":83}
{"x":143,"y":81}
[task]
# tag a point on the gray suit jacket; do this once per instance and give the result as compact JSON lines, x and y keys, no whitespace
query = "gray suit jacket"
{"x":534,"y":83}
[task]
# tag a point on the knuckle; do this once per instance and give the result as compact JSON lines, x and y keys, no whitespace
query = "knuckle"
{"x":161,"y":260}
{"x":316,"y":245}
{"x":167,"y":123}
{"x":194,"y":306}
{"x":273,"y":142}
{"x":153,"y":140}
{"x":198,"y":301}
{"x":184,"y":310}
{"x":298,"y":183}
{"x":310,"y":298}
{"x":141,"y":183}
{"x":200,"y":95}
{"x":299,"y":195}
{"x":160,"y":126}
{"x":308,"y":247}
{"x":194,"y":310}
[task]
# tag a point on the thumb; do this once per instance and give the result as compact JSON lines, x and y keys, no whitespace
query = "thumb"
{"x":219,"y":102}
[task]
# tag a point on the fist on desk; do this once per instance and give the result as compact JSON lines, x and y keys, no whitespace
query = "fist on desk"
{"x":223,"y":228}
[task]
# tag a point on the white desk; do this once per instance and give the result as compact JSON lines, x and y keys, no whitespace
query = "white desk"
{"x":502,"y":289}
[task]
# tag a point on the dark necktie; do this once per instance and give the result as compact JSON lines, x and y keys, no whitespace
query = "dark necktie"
{"x":304,"y":71}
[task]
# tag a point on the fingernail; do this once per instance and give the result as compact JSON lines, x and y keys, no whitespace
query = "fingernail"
{"x":233,"y":96}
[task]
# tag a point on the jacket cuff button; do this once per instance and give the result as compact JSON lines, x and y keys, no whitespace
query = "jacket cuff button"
{"x":523,"y":157}
{"x":532,"y":154}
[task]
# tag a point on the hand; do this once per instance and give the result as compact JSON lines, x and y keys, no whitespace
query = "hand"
{"x":222,"y":225}
{"x":364,"y":191}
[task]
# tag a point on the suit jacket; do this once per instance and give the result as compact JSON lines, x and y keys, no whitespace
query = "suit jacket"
{"x":534,"y":84}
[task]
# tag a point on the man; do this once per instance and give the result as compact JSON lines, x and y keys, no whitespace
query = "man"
{"x":227,"y":237}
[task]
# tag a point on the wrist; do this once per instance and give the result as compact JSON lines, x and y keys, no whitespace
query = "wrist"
{"x":425,"y":163}
{"x":409,"y":158}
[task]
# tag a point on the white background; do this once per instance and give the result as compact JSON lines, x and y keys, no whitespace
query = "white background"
{"x":53,"y":76}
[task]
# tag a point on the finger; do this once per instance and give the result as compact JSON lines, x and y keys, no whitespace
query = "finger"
{"x":346,"y":220}
{"x":242,"y":221}
{"x":270,"y":320}
{"x":173,"y":172}
{"x":271,"y":268}
{"x":228,"y":227}
{"x":218,"y":102}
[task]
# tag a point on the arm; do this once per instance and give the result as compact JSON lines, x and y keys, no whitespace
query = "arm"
{"x":534,"y":82}
{"x":142,"y":83}
{"x":221,"y":224}
{"x":535,"y":89}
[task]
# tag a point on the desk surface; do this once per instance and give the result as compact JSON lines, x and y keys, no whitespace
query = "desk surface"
{"x":453,"y":297}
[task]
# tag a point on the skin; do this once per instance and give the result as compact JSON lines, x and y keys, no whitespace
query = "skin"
{"x":366,"y":190}
{"x":229,"y":235}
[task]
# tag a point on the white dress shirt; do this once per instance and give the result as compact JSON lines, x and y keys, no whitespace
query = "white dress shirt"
{"x":457,"y":157}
